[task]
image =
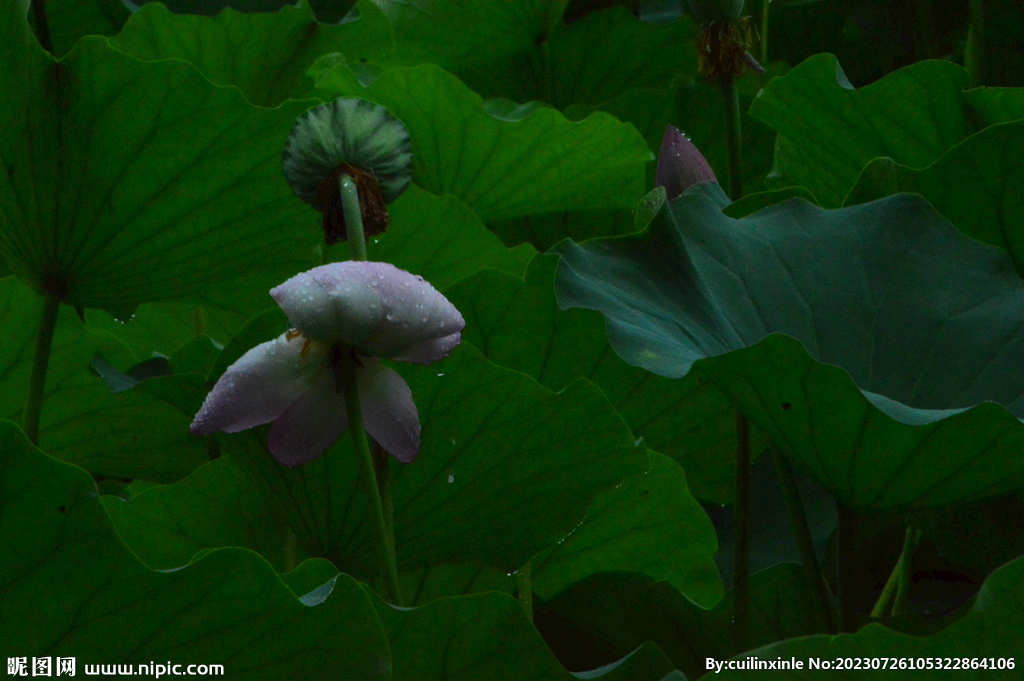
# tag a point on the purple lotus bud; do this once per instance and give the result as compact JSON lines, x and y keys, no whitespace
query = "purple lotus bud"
{"x":680,"y":164}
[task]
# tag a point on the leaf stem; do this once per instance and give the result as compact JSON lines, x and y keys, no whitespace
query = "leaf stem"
{"x":846,"y":570}
{"x":733,"y":136}
{"x":353,"y":217}
{"x":802,"y":531}
{"x":524,"y":588}
{"x":42,"y":24}
{"x":40,"y":364}
{"x":741,"y":531}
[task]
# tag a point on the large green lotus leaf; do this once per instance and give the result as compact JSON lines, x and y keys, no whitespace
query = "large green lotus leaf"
{"x":518,"y":324}
{"x":487,"y":637}
{"x":440,"y":239}
{"x":441,"y":580}
{"x":265,"y":55}
{"x":128,"y":182}
{"x":483,"y":488}
{"x":69,"y":20}
{"x":990,"y":631}
{"x":521,"y":50}
{"x":921,"y":318}
{"x":215,"y":506}
{"x":607,"y":53}
{"x":650,"y":523}
{"x":609,"y":614}
{"x":73,"y":589}
{"x":828,"y":131}
{"x":328,"y":11}
{"x":471,"y":36}
{"x":125,"y":435}
{"x":978,"y":185}
{"x":510,"y":164}
{"x":996,"y":104}
{"x":218,"y":506}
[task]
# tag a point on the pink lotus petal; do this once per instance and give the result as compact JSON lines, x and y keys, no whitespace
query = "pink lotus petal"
{"x":680,"y":164}
{"x":335,"y":303}
{"x":417,"y":313}
{"x":376,"y":307}
{"x":430,"y":351}
{"x":389,"y":413}
{"x":258,"y":387}
{"x":310,"y":425}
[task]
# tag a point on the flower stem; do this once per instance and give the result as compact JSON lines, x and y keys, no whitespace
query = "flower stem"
{"x":367,"y":470}
{"x":798,"y":519}
{"x":741,"y":531}
{"x":733,"y":137}
{"x":378,"y":488}
{"x":898,"y":584}
{"x":353,"y":217}
{"x":41,"y":362}
{"x":524,"y":587}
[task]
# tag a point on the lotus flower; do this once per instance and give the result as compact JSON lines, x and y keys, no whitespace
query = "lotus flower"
{"x":368,"y":310}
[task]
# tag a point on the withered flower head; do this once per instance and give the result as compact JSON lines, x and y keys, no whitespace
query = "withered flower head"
{"x":348,"y":136}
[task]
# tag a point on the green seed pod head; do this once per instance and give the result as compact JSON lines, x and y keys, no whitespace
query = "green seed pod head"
{"x":706,"y":11}
{"x":347,"y":131}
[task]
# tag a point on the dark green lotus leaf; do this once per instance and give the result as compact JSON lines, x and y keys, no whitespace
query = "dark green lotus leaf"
{"x":311,"y":578}
{"x":925,"y":321}
{"x":751,"y":203}
{"x":129,"y":182}
{"x":126,"y":435}
{"x":521,"y":49}
{"x":487,"y":637}
{"x":828,"y":131}
{"x":166,"y":326}
{"x":649,"y":523}
{"x":265,"y":55}
{"x":996,"y":104}
{"x":69,"y":20}
{"x":71,"y":583}
{"x":441,"y":580}
{"x":503,"y":169}
{"x":609,"y":614}
{"x":608,"y":52}
{"x":215,"y":506}
{"x":440,"y":239}
{"x":978,"y":185}
{"x":989,"y":632}
{"x":519,"y":325}
{"x":483,"y":488}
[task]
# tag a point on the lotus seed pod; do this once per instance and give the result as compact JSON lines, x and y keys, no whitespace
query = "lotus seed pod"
{"x":348,"y":136}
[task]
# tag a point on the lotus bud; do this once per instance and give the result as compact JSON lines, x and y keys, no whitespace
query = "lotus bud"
{"x":680,"y":164}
